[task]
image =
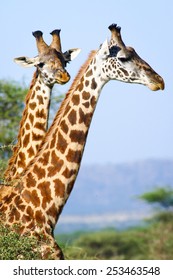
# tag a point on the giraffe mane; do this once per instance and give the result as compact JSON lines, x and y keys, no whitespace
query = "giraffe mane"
{"x":35,"y":75}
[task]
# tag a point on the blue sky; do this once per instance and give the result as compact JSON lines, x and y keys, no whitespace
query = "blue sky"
{"x":131,"y":123}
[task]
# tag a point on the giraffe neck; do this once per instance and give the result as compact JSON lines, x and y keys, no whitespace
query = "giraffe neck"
{"x":50,"y":178}
{"x":32,"y":128}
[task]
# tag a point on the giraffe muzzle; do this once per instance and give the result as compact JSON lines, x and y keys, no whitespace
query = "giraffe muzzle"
{"x":159,"y":85}
{"x":63,"y":78}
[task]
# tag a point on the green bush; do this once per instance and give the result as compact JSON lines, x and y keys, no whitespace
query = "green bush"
{"x":13,"y":246}
{"x":152,"y":242}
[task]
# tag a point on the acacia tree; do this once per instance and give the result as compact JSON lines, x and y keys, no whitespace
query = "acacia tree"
{"x":161,"y":196}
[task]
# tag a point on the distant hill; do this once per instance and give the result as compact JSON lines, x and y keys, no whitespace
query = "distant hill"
{"x":106,"y":195}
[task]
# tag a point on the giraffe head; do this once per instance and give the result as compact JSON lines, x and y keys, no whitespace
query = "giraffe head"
{"x":51,"y":61}
{"x":122,"y":63}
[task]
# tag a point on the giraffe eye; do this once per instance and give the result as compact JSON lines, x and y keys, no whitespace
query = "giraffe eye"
{"x":125,"y":56}
{"x":125,"y":59}
{"x":40,"y":65}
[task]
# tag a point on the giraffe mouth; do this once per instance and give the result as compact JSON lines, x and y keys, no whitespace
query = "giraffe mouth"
{"x":61,"y":82}
{"x":156,"y":86}
{"x":63,"y":79}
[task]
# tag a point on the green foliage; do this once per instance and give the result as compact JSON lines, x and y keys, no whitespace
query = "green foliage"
{"x":149,"y":243}
{"x":164,"y":216}
{"x":11,"y":104}
{"x":13,"y":246}
{"x":107,"y":244}
{"x":163,"y":196}
{"x":3,"y":164}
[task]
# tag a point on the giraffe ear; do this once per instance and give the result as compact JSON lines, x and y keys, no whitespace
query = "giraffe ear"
{"x":71,"y":54}
{"x":104,"y":50}
{"x":26,"y":61}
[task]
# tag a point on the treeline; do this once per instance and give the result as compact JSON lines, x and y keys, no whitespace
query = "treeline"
{"x":150,"y":242}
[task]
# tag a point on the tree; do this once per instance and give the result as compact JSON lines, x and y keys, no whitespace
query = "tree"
{"x":162,"y":196}
{"x":11,"y":103}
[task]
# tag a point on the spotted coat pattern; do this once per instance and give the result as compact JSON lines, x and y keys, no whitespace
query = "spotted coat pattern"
{"x":39,"y":197}
{"x":33,"y":125}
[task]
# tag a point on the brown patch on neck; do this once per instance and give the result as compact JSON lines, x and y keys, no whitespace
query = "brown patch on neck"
{"x":63,"y":106}
{"x":77,"y":79}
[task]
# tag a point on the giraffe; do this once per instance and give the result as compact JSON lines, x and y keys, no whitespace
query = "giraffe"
{"x":40,"y":195}
{"x":50,"y":69}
